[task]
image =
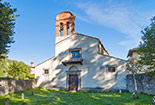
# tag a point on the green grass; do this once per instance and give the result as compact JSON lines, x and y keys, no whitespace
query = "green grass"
{"x":58,"y":97}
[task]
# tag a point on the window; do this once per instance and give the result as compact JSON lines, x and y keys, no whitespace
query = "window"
{"x":75,"y":53}
{"x":67,"y":28}
{"x":61,"y":29}
{"x":46,"y":71}
{"x":111,"y":69}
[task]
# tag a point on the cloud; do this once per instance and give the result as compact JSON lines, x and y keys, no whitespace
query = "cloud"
{"x":82,"y":18}
{"x":125,"y":19}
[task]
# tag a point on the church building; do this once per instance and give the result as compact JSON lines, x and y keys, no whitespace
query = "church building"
{"x":80,"y":61}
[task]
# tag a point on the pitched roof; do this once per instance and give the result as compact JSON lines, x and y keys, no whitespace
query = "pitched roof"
{"x":131,"y":51}
{"x":75,"y":34}
{"x":44,"y":61}
{"x":82,"y":35}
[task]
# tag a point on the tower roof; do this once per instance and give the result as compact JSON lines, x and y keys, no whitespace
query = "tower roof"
{"x":64,"y":15}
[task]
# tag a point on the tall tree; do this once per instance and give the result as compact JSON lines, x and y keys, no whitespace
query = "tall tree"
{"x":7,"y":25}
{"x":147,"y":47}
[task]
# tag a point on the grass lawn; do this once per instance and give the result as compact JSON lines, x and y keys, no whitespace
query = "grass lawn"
{"x":58,"y":97}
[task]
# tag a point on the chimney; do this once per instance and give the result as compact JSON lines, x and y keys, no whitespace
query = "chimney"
{"x":32,"y":64}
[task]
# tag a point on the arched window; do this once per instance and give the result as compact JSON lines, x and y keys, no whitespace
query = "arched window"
{"x":61,"y":29}
{"x":73,"y":68}
{"x":67,"y":28}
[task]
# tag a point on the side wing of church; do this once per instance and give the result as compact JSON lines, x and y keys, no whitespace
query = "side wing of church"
{"x":80,"y":61}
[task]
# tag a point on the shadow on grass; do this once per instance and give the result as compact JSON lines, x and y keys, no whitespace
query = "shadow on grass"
{"x":58,"y":97}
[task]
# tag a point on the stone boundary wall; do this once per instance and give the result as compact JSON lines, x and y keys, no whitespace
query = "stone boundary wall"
{"x":145,"y":83}
{"x":10,"y":86}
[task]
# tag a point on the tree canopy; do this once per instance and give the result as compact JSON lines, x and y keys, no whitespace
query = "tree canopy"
{"x":147,"y":46}
{"x":3,"y":65}
{"x":18,"y":70}
{"x":7,"y":25}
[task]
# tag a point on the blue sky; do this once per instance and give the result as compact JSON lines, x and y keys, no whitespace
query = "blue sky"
{"x":117,"y":23}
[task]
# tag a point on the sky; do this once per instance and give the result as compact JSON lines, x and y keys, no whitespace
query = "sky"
{"x":117,"y":23}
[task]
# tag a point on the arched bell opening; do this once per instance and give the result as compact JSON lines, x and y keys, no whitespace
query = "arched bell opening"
{"x":68,"y":28}
{"x":61,"y":29}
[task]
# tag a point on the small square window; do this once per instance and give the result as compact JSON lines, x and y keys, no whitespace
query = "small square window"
{"x":75,"y":54}
{"x":111,"y":69}
{"x":46,"y":71}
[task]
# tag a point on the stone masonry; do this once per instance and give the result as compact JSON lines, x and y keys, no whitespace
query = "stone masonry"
{"x":11,"y":86}
{"x":145,"y":83}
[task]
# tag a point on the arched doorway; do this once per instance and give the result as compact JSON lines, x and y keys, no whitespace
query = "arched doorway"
{"x":73,"y":79}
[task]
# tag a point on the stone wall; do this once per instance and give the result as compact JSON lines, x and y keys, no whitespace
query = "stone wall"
{"x":144,"y":83}
{"x":10,"y":86}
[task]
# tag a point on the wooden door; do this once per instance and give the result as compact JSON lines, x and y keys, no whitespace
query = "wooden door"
{"x":73,"y":82}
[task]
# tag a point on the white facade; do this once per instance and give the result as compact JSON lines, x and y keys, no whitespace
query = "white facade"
{"x":135,"y":56}
{"x":93,"y":70}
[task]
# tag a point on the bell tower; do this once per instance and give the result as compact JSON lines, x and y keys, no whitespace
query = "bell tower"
{"x":64,"y":25}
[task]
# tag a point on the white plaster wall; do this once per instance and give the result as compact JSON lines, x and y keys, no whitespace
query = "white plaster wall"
{"x":97,"y":76}
{"x":39,"y":73}
{"x":32,"y":71}
{"x":135,"y":55}
{"x":144,"y":68}
{"x":59,"y":38}
{"x":93,"y":69}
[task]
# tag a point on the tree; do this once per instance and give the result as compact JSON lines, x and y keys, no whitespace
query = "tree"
{"x":7,"y":25}
{"x":3,"y":65}
{"x":18,"y":70}
{"x":147,"y":47}
{"x":134,"y":67}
